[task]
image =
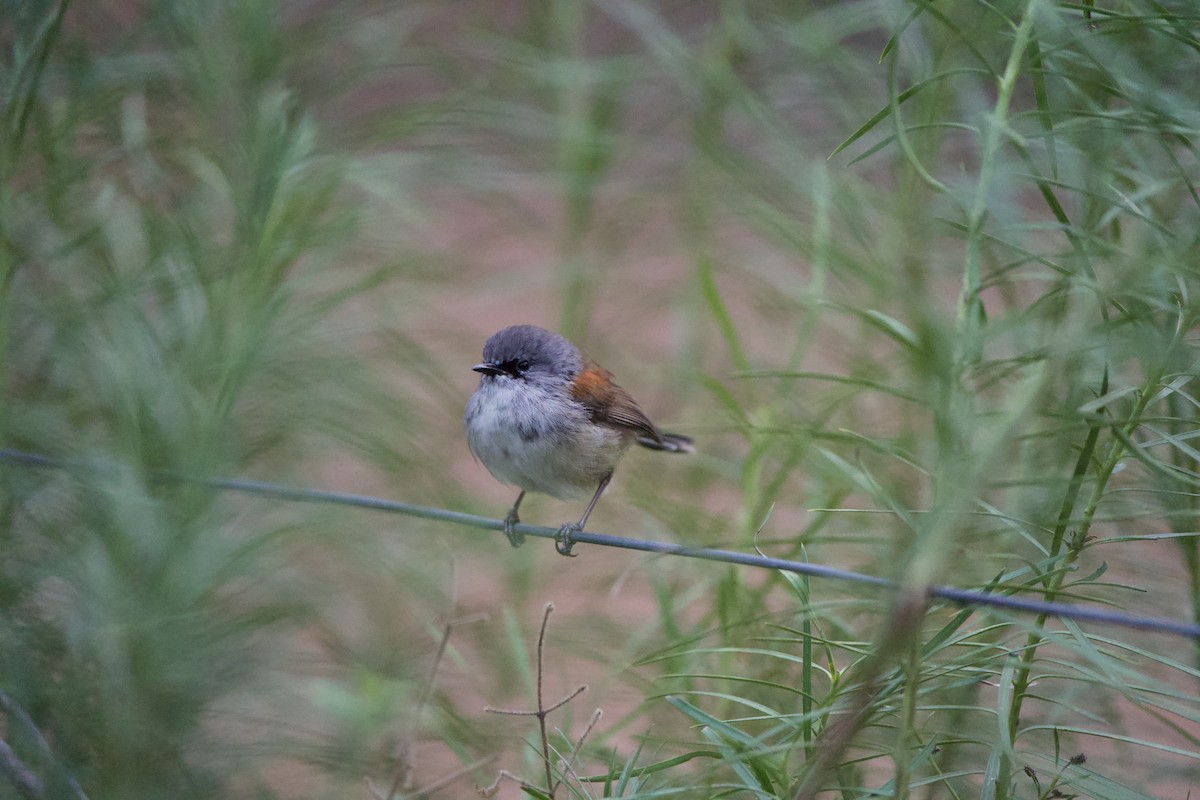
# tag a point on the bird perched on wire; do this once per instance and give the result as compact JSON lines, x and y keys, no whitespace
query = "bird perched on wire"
{"x":545,"y":419}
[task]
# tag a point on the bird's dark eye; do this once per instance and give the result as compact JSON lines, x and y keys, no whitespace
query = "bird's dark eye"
{"x":523,"y":365}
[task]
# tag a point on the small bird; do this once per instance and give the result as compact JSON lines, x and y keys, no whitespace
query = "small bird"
{"x":545,"y":419}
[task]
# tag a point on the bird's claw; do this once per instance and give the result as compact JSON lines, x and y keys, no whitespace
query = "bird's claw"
{"x":564,"y":540}
{"x":515,"y":537}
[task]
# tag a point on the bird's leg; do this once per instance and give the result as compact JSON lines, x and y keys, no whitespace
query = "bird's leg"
{"x":515,"y":537}
{"x":564,"y":539}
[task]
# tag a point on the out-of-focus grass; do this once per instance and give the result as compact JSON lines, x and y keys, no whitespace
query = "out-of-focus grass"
{"x":179,"y":294}
{"x":245,"y":238}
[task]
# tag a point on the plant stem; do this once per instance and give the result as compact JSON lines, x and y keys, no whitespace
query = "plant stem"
{"x":1053,"y":584}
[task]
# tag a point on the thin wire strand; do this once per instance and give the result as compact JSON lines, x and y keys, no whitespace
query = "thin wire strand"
{"x":965,"y":597}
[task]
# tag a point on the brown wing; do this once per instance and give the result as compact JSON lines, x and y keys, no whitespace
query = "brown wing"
{"x":609,"y":404}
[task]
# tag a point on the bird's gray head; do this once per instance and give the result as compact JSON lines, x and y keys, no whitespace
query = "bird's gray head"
{"x":530,"y":353}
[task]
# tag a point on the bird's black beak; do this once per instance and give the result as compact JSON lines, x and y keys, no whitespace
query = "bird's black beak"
{"x":488,"y":369}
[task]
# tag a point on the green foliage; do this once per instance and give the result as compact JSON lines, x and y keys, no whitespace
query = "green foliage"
{"x":171,"y":231}
{"x":929,"y":294}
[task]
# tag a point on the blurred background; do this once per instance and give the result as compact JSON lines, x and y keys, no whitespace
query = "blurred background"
{"x":918,"y":277}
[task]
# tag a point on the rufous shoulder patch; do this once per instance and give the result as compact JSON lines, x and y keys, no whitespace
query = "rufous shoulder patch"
{"x":592,"y":386}
{"x":609,"y":404}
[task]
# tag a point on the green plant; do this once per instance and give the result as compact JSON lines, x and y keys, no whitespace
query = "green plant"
{"x":919,"y":277}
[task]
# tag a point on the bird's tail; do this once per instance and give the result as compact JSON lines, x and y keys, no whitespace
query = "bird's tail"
{"x":668,"y":443}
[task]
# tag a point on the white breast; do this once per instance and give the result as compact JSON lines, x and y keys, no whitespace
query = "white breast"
{"x":538,"y":439}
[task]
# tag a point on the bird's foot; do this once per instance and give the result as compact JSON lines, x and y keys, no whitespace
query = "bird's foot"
{"x":511,"y":520}
{"x":564,"y":540}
